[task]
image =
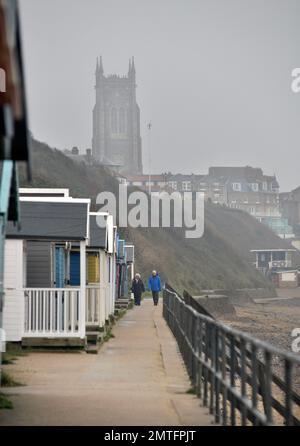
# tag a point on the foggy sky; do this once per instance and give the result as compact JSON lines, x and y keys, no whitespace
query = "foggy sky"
{"x":213,"y":76}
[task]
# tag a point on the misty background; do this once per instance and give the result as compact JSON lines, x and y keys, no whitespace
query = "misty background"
{"x":213,"y":76}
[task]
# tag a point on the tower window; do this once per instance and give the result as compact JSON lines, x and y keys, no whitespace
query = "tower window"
{"x":113,"y":124}
{"x":122,"y":122}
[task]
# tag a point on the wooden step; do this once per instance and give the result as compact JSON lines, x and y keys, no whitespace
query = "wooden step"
{"x":121,"y":304}
{"x":122,"y":301}
{"x":92,"y":349}
{"x":53,"y":342}
{"x":89,"y":328}
{"x":93,"y":337}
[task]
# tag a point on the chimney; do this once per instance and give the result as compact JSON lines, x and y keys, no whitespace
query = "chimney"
{"x":75,"y":151}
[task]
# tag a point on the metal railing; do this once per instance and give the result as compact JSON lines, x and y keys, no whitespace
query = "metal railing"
{"x":232,"y":372}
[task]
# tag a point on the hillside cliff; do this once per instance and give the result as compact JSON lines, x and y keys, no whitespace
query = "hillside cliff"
{"x":221,"y":258}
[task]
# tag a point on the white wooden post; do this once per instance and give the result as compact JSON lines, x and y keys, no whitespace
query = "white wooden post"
{"x":82,"y":308}
{"x":106,"y":286}
{"x":132,"y":277}
{"x":113,"y":284}
{"x":103,"y":286}
{"x":271,"y":259}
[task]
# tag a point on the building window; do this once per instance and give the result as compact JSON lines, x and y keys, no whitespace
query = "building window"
{"x":237,"y":187}
{"x":265,"y":186}
{"x":254,"y":187}
{"x":173,"y":185}
{"x":122,"y":122}
{"x":186,"y":186}
{"x":279,"y":255}
{"x":113,"y":121}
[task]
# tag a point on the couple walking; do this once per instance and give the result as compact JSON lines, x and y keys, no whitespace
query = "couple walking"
{"x":138,"y":287}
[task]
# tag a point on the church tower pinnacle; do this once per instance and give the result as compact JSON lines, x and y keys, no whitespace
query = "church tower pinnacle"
{"x":101,"y":66}
{"x":133,"y":68}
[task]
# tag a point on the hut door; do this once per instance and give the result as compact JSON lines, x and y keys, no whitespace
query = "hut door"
{"x":93,"y":268}
{"x":59,"y":267}
{"x":74,"y":268}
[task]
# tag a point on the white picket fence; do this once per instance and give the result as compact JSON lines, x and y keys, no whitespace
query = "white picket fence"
{"x":95,"y":305}
{"x":56,"y":312}
{"x":52,"y":312}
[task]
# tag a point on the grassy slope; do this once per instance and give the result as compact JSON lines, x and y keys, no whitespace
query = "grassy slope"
{"x":220,"y":259}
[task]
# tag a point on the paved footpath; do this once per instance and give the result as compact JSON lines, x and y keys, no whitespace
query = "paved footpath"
{"x":138,"y":378}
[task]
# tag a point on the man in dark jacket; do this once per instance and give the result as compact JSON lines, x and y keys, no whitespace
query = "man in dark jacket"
{"x":137,"y":289}
{"x":154,"y":285}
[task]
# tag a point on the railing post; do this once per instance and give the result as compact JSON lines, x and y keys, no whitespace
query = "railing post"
{"x":212,"y":341}
{"x":217,"y":381}
{"x":82,"y":309}
{"x":265,"y":381}
{"x":206,"y":371}
{"x":288,"y":393}
{"x":224,"y":379}
{"x":243,"y":380}
{"x":232,"y":379}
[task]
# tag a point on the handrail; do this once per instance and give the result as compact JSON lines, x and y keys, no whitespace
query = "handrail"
{"x":232,"y":371}
{"x":67,"y":288}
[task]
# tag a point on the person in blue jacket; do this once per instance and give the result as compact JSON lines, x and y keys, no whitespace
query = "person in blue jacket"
{"x":154,"y":285}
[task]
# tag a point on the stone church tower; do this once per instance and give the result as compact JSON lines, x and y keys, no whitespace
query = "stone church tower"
{"x":116,"y":121}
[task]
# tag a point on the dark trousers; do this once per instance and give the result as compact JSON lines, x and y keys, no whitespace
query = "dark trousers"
{"x":155,"y":295}
{"x":137,"y":299}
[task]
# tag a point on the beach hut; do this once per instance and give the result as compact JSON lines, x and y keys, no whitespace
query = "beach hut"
{"x":101,"y":270}
{"x":45,"y":272}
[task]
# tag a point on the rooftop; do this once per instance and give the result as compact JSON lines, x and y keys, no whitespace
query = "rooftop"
{"x":49,"y":220}
{"x":98,"y":236}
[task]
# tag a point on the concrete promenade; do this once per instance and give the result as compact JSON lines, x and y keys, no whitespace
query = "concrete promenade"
{"x":138,"y":378}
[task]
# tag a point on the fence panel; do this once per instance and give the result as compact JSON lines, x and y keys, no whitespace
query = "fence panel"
{"x":231,"y":371}
{"x":51,"y":312}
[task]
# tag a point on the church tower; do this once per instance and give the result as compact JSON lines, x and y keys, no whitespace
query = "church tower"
{"x":116,"y":121}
